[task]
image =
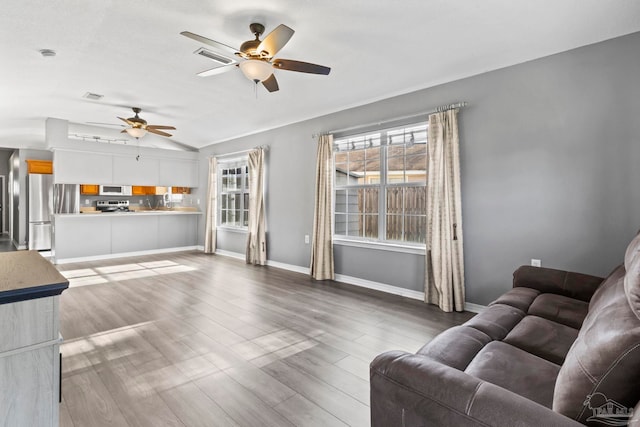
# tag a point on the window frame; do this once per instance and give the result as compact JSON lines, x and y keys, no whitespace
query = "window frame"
{"x":228,"y":164}
{"x":381,"y":242}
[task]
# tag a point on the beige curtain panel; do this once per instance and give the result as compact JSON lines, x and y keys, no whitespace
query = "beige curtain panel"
{"x":444,"y":262}
{"x":212,"y":208}
{"x":322,"y":245}
{"x":256,"y":252}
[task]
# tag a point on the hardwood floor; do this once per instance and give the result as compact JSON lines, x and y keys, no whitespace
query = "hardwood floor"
{"x":188,"y":339}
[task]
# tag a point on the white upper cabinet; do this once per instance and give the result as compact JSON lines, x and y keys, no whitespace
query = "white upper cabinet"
{"x":128,"y":170}
{"x":178,"y":173}
{"x":78,"y":167}
{"x":82,"y":167}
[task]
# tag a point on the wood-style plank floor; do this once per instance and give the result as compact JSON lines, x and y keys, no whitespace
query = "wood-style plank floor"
{"x":187,"y":339}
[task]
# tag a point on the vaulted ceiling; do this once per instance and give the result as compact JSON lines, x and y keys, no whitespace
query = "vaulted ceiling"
{"x":132,"y":53}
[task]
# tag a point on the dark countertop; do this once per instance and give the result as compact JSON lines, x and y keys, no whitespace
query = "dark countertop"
{"x":26,"y":275}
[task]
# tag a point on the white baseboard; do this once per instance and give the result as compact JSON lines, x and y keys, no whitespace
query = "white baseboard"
{"x":383,"y":287}
{"x":125,"y":255}
{"x":356,"y":281}
{"x":230,"y":254}
{"x":474,"y":308}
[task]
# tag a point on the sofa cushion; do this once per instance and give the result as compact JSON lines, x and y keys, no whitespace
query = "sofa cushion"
{"x":561,"y":309}
{"x":497,"y":320}
{"x":520,"y":298}
{"x":605,"y":358}
{"x":456,"y":347}
{"x":516,"y":370}
{"x":612,"y":281}
{"x":544,"y":338}
{"x":633,"y":250}
{"x":631,"y":287}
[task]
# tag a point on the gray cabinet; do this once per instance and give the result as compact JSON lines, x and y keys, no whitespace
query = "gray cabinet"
{"x":177,"y":231}
{"x":78,"y":167}
{"x":29,"y":340}
{"x":78,"y":236}
{"x":178,"y":173}
{"x":128,"y":170}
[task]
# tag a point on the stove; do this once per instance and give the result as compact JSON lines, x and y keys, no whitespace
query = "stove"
{"x":113,"y":205}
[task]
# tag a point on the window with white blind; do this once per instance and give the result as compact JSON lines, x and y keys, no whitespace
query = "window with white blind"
{"x":233,"y":195}
{"x":381,"y":186}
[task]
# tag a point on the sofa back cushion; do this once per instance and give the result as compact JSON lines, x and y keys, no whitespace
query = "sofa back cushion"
{"x":605,"y":358}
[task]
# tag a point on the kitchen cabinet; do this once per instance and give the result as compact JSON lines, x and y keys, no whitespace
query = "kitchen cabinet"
{"x":29,"y":340}
{"x":123,"y":233}
{"x":147,"y":190}
{"x":176,"y":231}
{"x":39,"y":166}
{"x":178,"y":172}
{"x":73,"y":167}
{"x":139,"y":190}
{"x":89,"y":189}
{"x":180,"y":190}
{"x":127,"y":170}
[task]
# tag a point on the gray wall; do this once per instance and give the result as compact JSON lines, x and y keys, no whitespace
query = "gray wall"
{"x":548,"y":154}
{"x":4,"y":170}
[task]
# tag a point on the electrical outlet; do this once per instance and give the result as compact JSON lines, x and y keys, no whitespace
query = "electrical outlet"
{"x":306,"y":239}
{"x":535,"y":262}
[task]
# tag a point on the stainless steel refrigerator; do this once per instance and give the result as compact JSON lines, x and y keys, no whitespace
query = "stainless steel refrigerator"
{"x":40,"y":191}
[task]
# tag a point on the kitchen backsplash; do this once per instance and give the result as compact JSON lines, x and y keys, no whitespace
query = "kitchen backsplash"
{"x":152,"y":202}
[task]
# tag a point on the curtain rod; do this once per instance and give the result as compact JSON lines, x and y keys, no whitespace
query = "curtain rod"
{"x":234,"y":153}
{"x":439,"y":109}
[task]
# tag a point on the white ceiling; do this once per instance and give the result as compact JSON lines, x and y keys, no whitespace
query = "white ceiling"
{"x":132,"y":53}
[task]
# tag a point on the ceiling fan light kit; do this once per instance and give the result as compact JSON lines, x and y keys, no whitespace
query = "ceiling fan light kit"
{"x":256,"y":70}
{"x":136,"y":132}
{"x":256,"y":57}
{"x":139,"y":126}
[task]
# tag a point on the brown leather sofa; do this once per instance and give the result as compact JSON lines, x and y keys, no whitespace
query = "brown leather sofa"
{"x":559,"y":349}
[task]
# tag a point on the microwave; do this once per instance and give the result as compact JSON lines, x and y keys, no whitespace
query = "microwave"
{"x":115,"y":190}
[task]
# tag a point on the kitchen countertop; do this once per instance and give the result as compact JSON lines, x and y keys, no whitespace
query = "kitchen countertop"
{"x":26,"y":275}
{"x":136,"y":213}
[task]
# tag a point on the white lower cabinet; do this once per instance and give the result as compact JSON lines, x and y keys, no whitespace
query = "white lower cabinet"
{"x":30,"y":367}
{"x":78,"y":236}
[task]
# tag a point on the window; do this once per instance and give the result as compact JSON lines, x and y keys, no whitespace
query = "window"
{"x":234,"y":193}
{"x":381,"y":185}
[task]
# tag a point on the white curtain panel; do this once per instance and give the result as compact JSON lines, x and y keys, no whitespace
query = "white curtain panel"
{"x":256,"y":252}
{"x":322,"y":246}
{"x":444,"y":268}
{"x":212,"y":208}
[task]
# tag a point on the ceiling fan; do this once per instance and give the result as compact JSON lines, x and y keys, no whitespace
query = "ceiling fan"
{"x":139,"y":126}
{"x":257,"y":56}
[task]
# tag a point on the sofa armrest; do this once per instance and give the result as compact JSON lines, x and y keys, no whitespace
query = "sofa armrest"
{"x":547,"y":280}
{"x":412,"y":390}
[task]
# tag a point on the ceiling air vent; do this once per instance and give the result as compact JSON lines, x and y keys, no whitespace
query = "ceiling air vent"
{"x":92,"y":96}
{"x":214,"y":56}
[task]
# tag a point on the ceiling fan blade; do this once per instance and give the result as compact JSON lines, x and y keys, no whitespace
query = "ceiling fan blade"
{"x":158,"y":132}
{"x":130,"y":123}
{"x":271,"y":84}
{"x":210,"y":42}
{"x":123,"y":131}
{"x":160,"y":127}
{"x":216,"y":70}
{"x":275,"y":40}
{"x":302,"y":67}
